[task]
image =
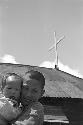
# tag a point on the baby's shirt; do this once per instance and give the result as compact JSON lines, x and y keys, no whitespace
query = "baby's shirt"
{"x":7,"y":110}
{"x":32,"y":113}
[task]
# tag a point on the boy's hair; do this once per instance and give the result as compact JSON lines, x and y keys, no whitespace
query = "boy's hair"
{"x":37,"y":76}
{"x":4,"y":78}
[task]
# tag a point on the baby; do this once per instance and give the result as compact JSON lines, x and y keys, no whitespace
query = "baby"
{"x":10,"y":106}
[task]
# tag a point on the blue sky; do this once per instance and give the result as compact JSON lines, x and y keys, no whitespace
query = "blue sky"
{"x":27,"y":32}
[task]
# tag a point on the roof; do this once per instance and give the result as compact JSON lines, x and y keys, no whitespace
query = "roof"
{"x":58,"y":83}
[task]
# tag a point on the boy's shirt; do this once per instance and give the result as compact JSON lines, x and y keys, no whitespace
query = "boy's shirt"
{"x":32,"y":115}
{"x":7,"y":110}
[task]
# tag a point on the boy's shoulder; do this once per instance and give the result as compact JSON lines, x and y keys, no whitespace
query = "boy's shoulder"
{"x":37,"y":105}
{"x":37,"y":109}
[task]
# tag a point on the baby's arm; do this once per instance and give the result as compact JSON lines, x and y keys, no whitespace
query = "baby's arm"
{"x":35,"y":117}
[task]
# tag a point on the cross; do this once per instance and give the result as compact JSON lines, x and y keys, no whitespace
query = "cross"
{"x":54,"y":46}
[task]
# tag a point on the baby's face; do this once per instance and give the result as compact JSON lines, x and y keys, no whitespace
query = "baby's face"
{"x":12,"y":89}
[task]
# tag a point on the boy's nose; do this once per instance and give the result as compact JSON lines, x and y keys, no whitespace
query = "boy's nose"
{"x":29,"y":94}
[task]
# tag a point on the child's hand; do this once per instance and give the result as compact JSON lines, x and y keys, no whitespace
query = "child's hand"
{"x":13,"y":102}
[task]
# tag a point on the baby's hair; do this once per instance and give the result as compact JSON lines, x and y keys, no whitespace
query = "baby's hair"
{"x":4,"y":78}
{"x":37,"y":76}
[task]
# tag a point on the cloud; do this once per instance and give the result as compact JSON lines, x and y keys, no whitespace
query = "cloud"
{"x":8,"y":59}
{"x":62,"y":67}
{"x":48,"y":64}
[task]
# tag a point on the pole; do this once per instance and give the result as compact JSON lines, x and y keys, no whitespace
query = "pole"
{"x":55,"y":47}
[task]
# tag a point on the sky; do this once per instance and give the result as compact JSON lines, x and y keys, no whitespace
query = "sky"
{"x":27,"y":32}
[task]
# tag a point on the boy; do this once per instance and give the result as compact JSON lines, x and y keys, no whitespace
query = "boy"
{"x":32,"y":91}
{"x":10,"y":98}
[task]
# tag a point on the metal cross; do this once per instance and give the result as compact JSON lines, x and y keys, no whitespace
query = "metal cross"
{"x":54,"y":46}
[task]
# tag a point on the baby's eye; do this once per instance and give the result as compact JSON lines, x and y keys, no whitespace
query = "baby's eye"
{"x":9,"y":88}
{"x":17,"y":89}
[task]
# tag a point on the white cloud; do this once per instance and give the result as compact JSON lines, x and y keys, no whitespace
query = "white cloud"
{"x":48,"y":64}
{"x":62,"y":67}
{"x":8,"y":59}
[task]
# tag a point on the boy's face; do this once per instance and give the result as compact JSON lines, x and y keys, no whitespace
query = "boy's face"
{"x":13,"y":88}
{"x":31,"y":91}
